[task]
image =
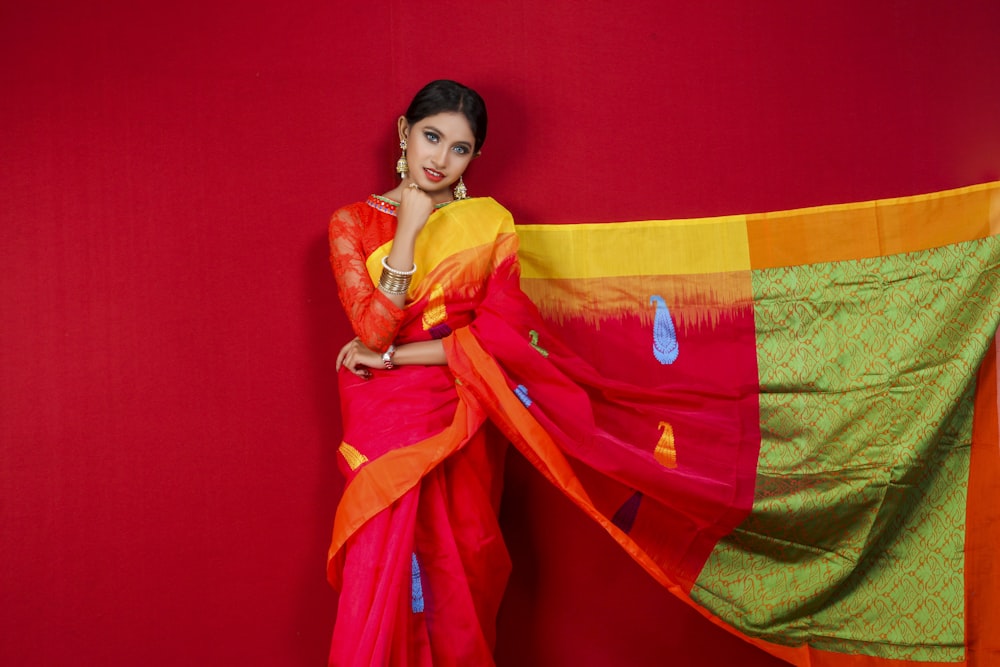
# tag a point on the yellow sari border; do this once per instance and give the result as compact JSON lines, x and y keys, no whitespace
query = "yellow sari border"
{"x":643,"y":248}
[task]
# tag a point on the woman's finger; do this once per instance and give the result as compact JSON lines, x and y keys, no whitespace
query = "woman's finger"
{"x":355,"y":365}
{"x":344,"y":351}
{"x":349,"y":357}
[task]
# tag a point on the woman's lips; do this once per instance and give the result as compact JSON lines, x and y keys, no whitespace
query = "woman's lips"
{"x":434,"y":176}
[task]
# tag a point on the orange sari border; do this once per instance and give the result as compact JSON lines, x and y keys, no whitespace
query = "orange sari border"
{"x":982,"y":571}
{"x":874,"y":228}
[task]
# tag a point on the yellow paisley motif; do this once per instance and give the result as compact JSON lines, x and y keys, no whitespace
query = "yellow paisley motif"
{"x":354,"y":458}
{"x":665,"y":451}
{"x":435,"y":313}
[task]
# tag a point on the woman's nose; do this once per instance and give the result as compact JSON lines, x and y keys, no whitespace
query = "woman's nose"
{"x":441,"y":157}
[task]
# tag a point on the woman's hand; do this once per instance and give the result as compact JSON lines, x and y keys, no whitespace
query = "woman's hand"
{"x":415,"y":206}
{"x":358,"y":359}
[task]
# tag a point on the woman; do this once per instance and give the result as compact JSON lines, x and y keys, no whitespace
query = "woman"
{"x":449,"y":350}
{"x":429,"y":531}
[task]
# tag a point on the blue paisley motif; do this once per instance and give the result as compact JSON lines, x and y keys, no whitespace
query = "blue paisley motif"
{"x":522,"y":393}
{"x":416,"y":588}
{"x":665,"y":347}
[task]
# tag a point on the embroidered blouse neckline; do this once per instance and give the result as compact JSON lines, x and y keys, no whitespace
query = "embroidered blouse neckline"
{"x":389,"y":206}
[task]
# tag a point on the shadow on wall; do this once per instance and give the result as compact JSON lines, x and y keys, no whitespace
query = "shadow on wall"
{"x":328,"y":329}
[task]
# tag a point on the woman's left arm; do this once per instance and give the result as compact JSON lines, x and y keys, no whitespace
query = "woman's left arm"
{"x":359,"y":358}
{"x":422,"y":353}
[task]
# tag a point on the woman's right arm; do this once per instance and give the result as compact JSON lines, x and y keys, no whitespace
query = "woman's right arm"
{"x":415,"y":207}
{"x":374,"y":317}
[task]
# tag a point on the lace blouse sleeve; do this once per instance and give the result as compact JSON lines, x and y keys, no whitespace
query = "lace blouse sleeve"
{"x":373,"y":317}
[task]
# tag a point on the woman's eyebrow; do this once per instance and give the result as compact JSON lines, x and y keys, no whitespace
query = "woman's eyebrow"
{"x":444,"y":136}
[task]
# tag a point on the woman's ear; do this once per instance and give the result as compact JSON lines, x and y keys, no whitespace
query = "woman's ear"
{"x":404,"y":128}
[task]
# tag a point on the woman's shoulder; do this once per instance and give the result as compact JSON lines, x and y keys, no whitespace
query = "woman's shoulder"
{"x":351,"y":215}
{"x":352,"y":208}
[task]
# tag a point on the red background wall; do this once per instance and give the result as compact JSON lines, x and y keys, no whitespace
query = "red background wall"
{"x":168,"y":324}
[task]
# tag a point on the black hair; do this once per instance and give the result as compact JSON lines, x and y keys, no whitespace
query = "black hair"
{"x":443,"y":96}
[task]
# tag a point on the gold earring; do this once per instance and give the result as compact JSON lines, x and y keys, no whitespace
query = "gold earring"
{"x":461,"y":192}
{"x":401,"y":166}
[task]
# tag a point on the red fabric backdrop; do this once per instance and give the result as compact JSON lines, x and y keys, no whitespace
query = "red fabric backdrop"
{"x":168,"y":323}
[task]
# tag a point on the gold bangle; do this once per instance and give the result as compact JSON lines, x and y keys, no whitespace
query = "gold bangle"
{"x":393,"y":281}
{"x":393,"y":284}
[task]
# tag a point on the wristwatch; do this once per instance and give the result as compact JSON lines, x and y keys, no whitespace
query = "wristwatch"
{"x":387,"y":358}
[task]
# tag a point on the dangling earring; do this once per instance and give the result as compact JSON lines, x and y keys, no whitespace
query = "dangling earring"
{"x":401,"y":166}
{"x":460,"y":190}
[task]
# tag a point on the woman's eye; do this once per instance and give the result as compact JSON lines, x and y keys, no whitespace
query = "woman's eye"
{"x":461,"y":150}
{"x":431,"y":137}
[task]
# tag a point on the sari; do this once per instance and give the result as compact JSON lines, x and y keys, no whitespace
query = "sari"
{"x":792,"y":429}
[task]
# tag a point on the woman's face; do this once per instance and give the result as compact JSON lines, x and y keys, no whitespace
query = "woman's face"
{"x":439,"y":149}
